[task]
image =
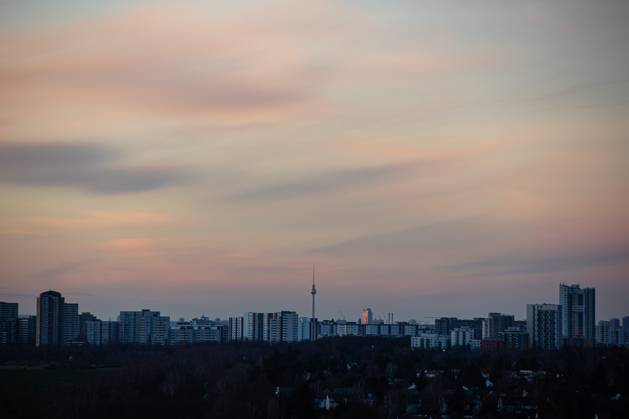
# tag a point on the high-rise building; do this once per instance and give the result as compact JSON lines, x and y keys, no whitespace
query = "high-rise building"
{"x":253,"y":327}
{"x":181,"y":333}
{"x":366,"y":316}
{"x":444,"y":325}
{"x":236,"y":328}
{"x":8,"y":323}
{"x":304,"y":331}
{"x":609,"y":333}
{"x":49,"y":319}
{"x":83,"y":319}
{"x":515,"y":338}
{"x":282,"y":326}
{"x":578,"y":310}
{"x":93,"y":332}
{"x":475,"y":324}
{"x":543,"y":323}
{"x":624,"y":333}
{"x":70,"y":323}
{"x":602,"y":333}
{"x":26,"y":326}
{"x":615,"y":332}
{"x":143,"y":327}
{"x":496,"y":323}
{"x":110,"y":332}
{"x":290,"y":320}
{"x":272,"y":327}
{"x":160,"y":329}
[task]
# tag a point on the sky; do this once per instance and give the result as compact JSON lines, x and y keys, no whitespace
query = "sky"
{"x":430,"y":157}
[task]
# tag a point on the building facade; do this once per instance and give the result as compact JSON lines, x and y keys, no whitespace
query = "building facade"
{"x":70,"y":324}
{"x":461,"y":336}
{"x":496,"y":323}
{"x":578,"y":312}
{"x":26,"y":327}
{"x":8,"y":323}
{"x":49,"y":319}
{"x":544,"y":326}
{"x":515,"y":338}
{"x":143,"y":327}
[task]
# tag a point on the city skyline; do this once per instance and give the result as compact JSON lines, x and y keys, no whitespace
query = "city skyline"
{"x":572,"y":322}
{"x":306,"y":308}
{"x":575,"y":309}
{"x":430,"y":159}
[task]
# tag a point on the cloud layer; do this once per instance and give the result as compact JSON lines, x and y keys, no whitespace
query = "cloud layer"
{"x":89,"y":167}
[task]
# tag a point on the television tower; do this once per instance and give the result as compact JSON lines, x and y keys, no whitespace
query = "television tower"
{"x":313,"y":291}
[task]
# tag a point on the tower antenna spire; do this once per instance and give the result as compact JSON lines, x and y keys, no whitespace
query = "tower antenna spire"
{"x":313,"y":291}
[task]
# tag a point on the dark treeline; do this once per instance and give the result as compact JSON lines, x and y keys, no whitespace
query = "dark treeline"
{"x":337,"y":377}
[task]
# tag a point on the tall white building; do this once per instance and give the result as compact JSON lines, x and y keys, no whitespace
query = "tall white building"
{"x":543,"y":322}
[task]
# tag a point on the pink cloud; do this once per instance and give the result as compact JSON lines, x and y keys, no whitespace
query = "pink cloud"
{"x":131,"y":245}
{"x":106,"y":219}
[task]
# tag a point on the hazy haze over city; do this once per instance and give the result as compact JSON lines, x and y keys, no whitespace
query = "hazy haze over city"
{"x":430,"y":157}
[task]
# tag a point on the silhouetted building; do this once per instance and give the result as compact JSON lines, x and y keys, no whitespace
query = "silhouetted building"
{"x":602,"y":333}
{"x":110,"y":332}
{"x":83,"y":319}
{"x":93,"y":332}
{"x":8,"y":323}
{"x":49,"y":319}
{"x":578,"y":308}
{"x":181,"y":333}
{"x":515,"y":338}
{"x":144,"y":327}
{"x":307,"y":328}
{"x":236,"y":328}
{"x":26,"y":326}
{"x":544,"y":325}
{"x":475,"y":324}
{"x":253,"y":326}
{"x":496,"y":323}
{"x":70,"y":323}
{"x":444,"y":325}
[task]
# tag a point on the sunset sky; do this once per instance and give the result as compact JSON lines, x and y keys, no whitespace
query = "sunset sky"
{"x":430,"y":157}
